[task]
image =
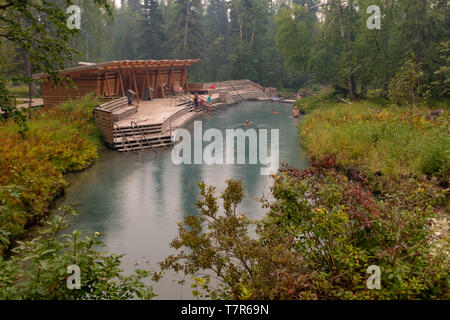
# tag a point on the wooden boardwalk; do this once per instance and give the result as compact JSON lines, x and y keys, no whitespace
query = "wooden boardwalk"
{"x":152,"y":124}
{"x":157,"y":111}
{"x":24,"y":103}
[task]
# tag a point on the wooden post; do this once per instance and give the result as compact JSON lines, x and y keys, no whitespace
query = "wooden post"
{"x":148,"y":82}
{"x":107,"y":83}
{"x":135,"y":85}
{"x":116,"y":84}
{"x":158,"y":84}
{"x":144,"y":82}
{"x":171,"y":79}
{"x":186,"y":81}
{"x":102,"y":85}
{"x":121,"y":82}
{"x":182,"y":79}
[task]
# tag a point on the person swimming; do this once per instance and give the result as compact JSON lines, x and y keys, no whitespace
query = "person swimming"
{"x":274,"y":112}
{"x":248,"y":123}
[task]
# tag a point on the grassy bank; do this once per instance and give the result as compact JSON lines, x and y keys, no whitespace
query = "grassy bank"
{"x":31,"y":169}
{"x":371,"y":197}
{"x":378,"y":140}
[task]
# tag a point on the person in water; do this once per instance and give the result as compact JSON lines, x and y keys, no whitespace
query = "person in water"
{"x":248,"y":123}
{"x":274,"y":112}
{"x":296,"y":112}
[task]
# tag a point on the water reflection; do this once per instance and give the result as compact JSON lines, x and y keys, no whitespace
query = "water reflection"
{"x":136,"y":201}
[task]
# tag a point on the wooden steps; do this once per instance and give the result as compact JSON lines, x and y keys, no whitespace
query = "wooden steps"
{"x":123,"y":112}
{"x":139,"y":142}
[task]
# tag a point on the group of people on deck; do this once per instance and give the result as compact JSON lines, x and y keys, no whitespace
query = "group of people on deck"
{"x":198,"y":101}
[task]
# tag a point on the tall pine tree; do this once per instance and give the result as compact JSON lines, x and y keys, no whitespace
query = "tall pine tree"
{"x":151,"y":34}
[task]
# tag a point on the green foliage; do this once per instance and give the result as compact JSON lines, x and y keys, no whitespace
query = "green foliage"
{"x":320,"y":235}
{"x":40,"y":28}
{"x":59,"y":140}
{"x":443,"y":83}
{"x":7,"y":108}
{"x":38,"y":31}
{"x":324,"y":225}
{"x":405,"y":87}
{"x":341,"y":229}
{"x":186,"y":29}
{"x":152,"y":32}
{"x":38,"y":268}
{"x":219,"y":245}
{"x":311,"y":103}
{"x":436,"y":157}
{"x":339,"y":48}
{"x":379,"y":141}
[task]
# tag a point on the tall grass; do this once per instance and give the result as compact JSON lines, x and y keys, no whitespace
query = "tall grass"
{"x":31,"y":170}
{"x":379,"y":140}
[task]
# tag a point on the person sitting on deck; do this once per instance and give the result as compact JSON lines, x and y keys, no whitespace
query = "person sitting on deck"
{"x":202,"y":104}
{"x":209,"y":102}
{"x":296,"y":112}
{"x":195,"y":102}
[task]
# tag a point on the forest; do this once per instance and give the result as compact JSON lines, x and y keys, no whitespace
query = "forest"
{"x":282,"y":44}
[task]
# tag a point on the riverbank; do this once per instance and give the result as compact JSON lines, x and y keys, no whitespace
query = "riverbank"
{"x":386,"y":144}
{"x":31,"y":170}
{"x":328,"y":227}
{"x":394,"y":154}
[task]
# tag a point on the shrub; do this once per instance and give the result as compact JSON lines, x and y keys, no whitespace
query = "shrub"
{"x":59,"y":140}
{"x":319,"y":237}
{"x":38,"y":268}
{"x":311,"y":103}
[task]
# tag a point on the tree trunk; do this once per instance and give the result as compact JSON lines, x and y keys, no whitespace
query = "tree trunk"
{"x":350,"y":76}
{"x":87,"y":47}
{"x":186,"y":24}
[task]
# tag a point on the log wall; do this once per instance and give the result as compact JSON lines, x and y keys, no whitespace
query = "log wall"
{"x":104,"y":121}
{"x":107,"y":83}
{"x":53,"y":94}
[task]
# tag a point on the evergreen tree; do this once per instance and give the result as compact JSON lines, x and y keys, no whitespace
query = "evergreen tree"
{"x":185,"y":32}
{"x":152,"y":34}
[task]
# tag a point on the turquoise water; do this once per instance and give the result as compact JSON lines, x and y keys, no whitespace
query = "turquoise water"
{"x":136,"y":200}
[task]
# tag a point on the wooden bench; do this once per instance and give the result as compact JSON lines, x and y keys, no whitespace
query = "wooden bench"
{"x":119,"y":108}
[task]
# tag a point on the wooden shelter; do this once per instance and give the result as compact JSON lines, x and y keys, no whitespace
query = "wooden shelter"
{"x":147,"y":78}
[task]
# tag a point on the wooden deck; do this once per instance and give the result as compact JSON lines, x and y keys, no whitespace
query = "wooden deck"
{"x":152,"y":125}
{"x":151,"y":112}
{"x":155,"y":111}
{"x":22,"y":103}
